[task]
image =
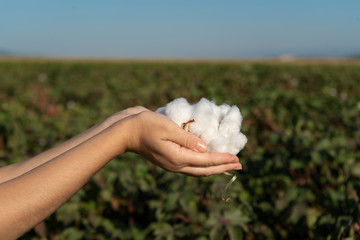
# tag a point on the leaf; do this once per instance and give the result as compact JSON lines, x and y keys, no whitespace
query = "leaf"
{"x":235,"y":232}
{"x":355,"y":170}
{"x":312,"y":217}
{"x":296,"y":164}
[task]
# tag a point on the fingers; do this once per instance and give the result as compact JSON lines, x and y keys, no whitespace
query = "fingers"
{"x":188,"y":140}
{"x":194,"y":159}
{"x":198,"y":171}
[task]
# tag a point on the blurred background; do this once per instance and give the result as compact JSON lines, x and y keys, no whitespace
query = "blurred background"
{"x":292,"y":68}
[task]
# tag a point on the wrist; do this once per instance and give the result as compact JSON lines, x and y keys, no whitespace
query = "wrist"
{"x":109,"y":121}
{"x":124,"y":133}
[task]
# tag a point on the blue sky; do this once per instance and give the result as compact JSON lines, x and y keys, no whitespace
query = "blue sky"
{"x":184,"y":29}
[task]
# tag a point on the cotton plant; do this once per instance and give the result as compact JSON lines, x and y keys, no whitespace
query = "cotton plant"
{"x":218,"y":126}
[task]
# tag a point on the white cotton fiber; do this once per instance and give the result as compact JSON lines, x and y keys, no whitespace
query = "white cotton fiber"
{"x":218,"y":144}
{"x":217,"y":126}
{"x":178,"y":110}
{"x":238,"y":142}
{"x":209,"y":134}
{"x":231,"y":122}
{"x":220,"y":111}
{"x":205,"y":120}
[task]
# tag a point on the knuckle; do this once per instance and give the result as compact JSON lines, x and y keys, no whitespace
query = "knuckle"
{"x":135,"y":110}
{"x":210,"y":162}
{"x":171,"y":168}
{"x":170,"y":126}
{"x":190,"y":141}
{"x":139,"y":108}
{"x":206,"y":174}
{"x":176,"y":163}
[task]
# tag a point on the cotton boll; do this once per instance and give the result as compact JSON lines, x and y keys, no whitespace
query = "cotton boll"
{"x":218,"y":144}
{"x":221,"y":111}
{"x":204,"y":117}
{"x":236,"y":143}
{"x":209,"y":134}
{"x":200,"y":124}
{"x":215,"y":110}
{"x":231,"y":122}
{"x":224,"y":108}
{"x":204,"y":105}
{"x":179,"y":111}
{"x":218,"y":126}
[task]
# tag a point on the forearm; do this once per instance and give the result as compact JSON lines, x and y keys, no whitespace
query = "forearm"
{"x":17,"y":169}
{"x":34,"y":195}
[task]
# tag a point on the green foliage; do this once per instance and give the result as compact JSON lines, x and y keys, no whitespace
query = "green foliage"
{"x":301,"y":165}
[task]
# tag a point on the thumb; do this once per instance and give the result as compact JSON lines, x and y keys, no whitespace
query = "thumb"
{"x":189,"y":140}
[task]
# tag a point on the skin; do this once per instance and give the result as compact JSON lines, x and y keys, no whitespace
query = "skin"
{"x":33,"y":189}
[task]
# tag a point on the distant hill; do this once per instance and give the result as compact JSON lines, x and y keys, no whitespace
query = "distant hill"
{"x":5,"y":52}
{"x":357,"y":56}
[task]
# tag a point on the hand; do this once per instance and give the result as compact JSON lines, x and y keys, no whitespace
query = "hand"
{"x":165,"y":144}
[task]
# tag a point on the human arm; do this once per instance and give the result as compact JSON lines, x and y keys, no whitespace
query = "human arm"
{"x":17,"y":169}
{"x":34,"y":195}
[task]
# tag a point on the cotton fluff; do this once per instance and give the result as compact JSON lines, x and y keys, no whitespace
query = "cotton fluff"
{"x":218,"y":126}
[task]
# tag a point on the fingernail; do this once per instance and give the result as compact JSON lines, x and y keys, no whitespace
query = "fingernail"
{"x":239,"y":167}
{"x":201,"y":147}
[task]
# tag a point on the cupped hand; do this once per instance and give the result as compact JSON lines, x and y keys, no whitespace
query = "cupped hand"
{"x":167,"y":145}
